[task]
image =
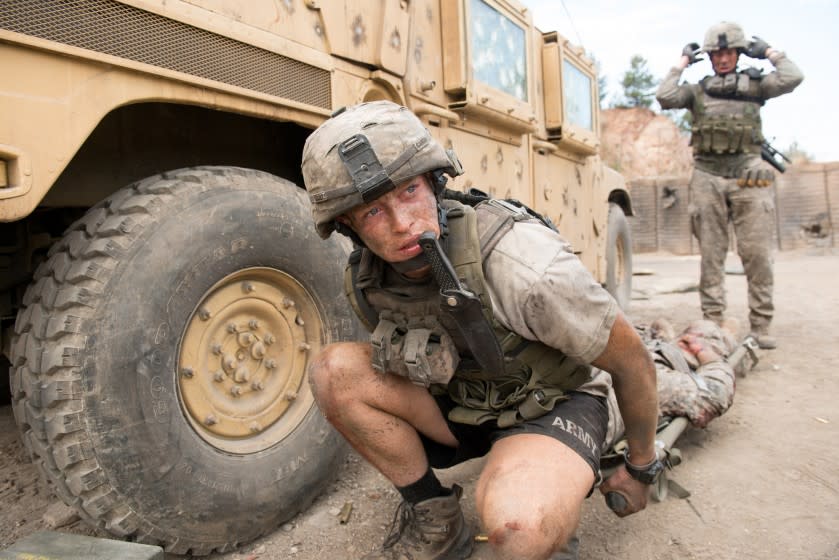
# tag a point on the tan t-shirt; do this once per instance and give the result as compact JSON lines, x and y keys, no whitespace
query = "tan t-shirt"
{"x":541,"y":290}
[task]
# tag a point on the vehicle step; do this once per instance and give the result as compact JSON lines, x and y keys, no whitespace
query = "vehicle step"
{"x":52,"y":545}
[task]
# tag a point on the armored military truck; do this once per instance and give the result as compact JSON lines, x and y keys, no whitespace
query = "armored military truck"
{"x":163,"y":288}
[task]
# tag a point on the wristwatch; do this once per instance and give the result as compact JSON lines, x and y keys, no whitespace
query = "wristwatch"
{"x":645,"y":473}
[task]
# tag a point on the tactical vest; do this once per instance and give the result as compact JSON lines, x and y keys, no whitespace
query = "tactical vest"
{"x":535,"y":375}
{"x":728,"y":123}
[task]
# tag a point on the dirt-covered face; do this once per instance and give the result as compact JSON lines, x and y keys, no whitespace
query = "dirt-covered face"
{"x":391,"y":225}
{"x":724,"y":60}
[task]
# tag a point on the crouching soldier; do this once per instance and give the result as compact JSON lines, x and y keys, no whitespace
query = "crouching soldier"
{"x":505,"y":347}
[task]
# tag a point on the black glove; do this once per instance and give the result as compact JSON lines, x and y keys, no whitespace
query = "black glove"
{"x":692,"y":51}
{"x":757,"y":47}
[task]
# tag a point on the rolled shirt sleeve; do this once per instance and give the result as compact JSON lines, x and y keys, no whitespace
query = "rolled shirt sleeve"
{"x":671,"y":95}
{"x":542,"y":291}
{"x":786,"y":77}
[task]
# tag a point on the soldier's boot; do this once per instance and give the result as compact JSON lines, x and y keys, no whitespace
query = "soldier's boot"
{"x":429,"y":530}
{"x":571,"y":551}
{"x":764,"y":340}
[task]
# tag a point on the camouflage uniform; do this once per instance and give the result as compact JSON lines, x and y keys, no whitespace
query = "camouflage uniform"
{"x":726,"y":139}
{"x":703,"y":392}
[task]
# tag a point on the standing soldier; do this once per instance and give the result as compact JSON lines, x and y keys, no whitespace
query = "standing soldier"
{"x":729,"y":178}
{"x":487,"y":352}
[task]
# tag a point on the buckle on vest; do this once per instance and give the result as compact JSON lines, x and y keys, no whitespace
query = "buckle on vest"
{"x":382,"y":340}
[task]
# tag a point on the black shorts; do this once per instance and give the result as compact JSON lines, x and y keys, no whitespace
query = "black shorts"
{"x":579,"y":422}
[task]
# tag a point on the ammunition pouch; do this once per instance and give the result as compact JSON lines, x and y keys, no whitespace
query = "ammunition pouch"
{"x":756,"y":178}
{"x":726,"y":134}
{"x":733,"y":127}
{"x":508,"y":400}
{"x":535,"y":378}
{"x":421,"y":350}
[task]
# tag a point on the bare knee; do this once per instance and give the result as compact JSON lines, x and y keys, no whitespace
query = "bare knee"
{"x":520,"y":528}
{"x":521,"y":537}
{"x":336,"y":372}
{"x":529,"y":510}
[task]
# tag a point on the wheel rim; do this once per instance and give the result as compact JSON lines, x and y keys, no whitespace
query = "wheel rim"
{"x":242,"y":360}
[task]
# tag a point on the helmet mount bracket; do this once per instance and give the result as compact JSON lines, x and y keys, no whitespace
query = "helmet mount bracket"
{"x":368,"y":174}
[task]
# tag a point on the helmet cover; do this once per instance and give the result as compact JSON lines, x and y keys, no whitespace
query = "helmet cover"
{"x":724,"y":35}
{"x":363,"y":152}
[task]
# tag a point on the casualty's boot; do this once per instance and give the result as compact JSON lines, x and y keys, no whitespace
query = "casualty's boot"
{"x":429,"y":530}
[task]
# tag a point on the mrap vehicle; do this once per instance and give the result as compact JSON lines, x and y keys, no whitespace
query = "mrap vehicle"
{"x":163,"y":287}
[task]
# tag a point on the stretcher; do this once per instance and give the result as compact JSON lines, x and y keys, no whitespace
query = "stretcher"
{"x":668,"y":431}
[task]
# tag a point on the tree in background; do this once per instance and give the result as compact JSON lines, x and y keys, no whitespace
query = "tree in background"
{"x":638,"y":84}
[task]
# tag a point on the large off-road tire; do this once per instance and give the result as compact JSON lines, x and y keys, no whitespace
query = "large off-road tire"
{"x":159,"y":363}
{"x":619,"y":257}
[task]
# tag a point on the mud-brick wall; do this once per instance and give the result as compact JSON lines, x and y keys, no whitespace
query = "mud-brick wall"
{"x":806,"y":205}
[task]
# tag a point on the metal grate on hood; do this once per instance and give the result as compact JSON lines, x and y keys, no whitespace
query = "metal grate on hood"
{"x":124,"y":31}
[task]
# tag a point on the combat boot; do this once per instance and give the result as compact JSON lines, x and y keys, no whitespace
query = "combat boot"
{"x":764,"y":340}
{"x":429,"y":530}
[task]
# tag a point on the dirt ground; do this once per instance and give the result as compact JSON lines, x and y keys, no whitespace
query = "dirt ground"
{"x":763,"y":478}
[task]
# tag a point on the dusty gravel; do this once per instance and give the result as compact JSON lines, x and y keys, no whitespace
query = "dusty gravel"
{"x":763,"y":478}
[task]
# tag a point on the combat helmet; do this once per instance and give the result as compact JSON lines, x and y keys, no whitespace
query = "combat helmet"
{"x":724,"y":35}
{"x":364,"y":151}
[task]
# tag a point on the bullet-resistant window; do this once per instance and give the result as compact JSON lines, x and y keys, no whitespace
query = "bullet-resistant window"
{"x":498,"y":50}
{"x":576,"y":91}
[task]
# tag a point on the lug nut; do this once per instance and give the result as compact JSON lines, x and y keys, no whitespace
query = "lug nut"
{"x":242,"y":375}
{"x":258,"y":351}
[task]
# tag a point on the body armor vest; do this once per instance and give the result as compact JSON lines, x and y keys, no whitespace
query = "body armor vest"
{"x":535,"y":376}
{"x":726,"y":115}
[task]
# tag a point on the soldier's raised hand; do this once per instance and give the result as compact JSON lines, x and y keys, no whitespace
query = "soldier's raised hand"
{"x":757,"y":47}
{"x":691,"y":51}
